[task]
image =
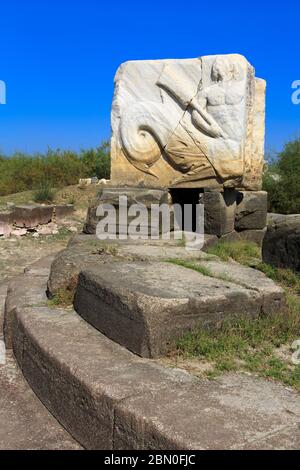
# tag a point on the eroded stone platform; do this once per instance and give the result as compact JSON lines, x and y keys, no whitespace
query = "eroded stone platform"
{"x":145,"y":306}
{"x":136,"y":295}
{"x":108,"y":398}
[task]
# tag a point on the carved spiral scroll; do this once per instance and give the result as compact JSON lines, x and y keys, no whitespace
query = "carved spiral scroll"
{"x":144,"y":132}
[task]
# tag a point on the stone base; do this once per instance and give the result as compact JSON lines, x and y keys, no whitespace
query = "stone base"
{"x":28,"y":217}
{"x":31,"y":216}
{"x":219,"y":211}
{"x":251,"y":213}
{"x":225,"y":212}
{"x":135,"y":196}
{"x":114,"y":400}
{"x":252,"y":236}
{"x":147,"y":306}
{"x":281,"y":246}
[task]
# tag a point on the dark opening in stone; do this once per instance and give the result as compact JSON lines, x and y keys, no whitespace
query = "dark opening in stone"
{"x":188,"y":199}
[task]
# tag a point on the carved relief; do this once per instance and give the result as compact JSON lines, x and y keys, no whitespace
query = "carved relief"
{"x":191,"y":116}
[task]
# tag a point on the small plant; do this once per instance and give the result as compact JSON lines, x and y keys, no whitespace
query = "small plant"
{"x":71,"y":200}
{"x":44,"y":194}
{"x":106,"y":249}
{"x":241,"y":251}
{"x":182,"y":242}
{"x":64,"y":297}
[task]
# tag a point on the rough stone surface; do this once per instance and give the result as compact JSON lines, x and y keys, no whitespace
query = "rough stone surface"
{"x":5,"y":216}
{"x":19,"y":219}
{"x":206,"y":415}
{"x":254,"y":236}
{"x":281,"y":246}
{"x":31,"y":216}
{"x":272,"y":296}
{"x":219,"y":212}
{"x":25,"y":424}
{"x":111,"y":196}
{"x":24,"y":294}
{"x":86,"y":251}
{"x":254,"y":162}
{"x":122,"y":402}
{"x":188,"y":123}
{"x":145,"y":306}
{"x":251,"y":213}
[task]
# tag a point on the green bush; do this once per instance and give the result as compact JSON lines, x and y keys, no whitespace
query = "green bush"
{"x":44,"y":193}
{"x":282,"y":180}
{"x":22,"y":172}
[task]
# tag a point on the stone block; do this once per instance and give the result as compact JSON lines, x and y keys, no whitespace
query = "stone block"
{"x":108,"y":398}
{"x":281,"y":245}
{"x":194,"y":123}
{"x":5,"y":229}
{"x":251,"y":212}
{"x":210,"y":415}
{"x":219,"y":212}
{"x":135,"y":196}
{"x":30,"y":216}
{"x":6,"y":217}
{"x":21,"y":293}
{"x":146,"y":306}
{"x":253,"y":236}
{"x":272,"y":296}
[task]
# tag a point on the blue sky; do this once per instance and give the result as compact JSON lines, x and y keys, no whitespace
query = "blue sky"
{"x":58,"y":59}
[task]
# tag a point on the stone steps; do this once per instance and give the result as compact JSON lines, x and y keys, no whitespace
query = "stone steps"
{"x":25,"y":424}
{"x":108,"y":398}
{"x":144,"y":296}
{"x":146,"y":306}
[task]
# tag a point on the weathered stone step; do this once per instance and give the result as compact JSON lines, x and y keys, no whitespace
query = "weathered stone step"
{"x":145,"y":306}
{"x":108,"y":398}
{"x":25,"y":424}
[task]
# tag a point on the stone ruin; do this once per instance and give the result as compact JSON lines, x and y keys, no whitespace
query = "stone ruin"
{"x":190,"y":131}
{"x":187,"y":131}
{"x":36,"y":219}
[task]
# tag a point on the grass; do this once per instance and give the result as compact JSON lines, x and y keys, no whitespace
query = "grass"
{"x":261,"y":346}
{"x":196,"y":266}
{"x":251,"y":345}
{"x":286,"y":277}
{"x":64,"y":297}
{"x":44,"y":194}
{"x":181,"y":243}
{"x":191,"y":265}
{"x":106,"y":249}
{"x":243,"y":252}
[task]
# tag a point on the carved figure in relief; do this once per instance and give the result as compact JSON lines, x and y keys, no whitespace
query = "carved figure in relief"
{"x":211,"y":118}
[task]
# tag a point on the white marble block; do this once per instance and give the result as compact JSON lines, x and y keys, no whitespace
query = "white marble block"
{"x":195,"y":123}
